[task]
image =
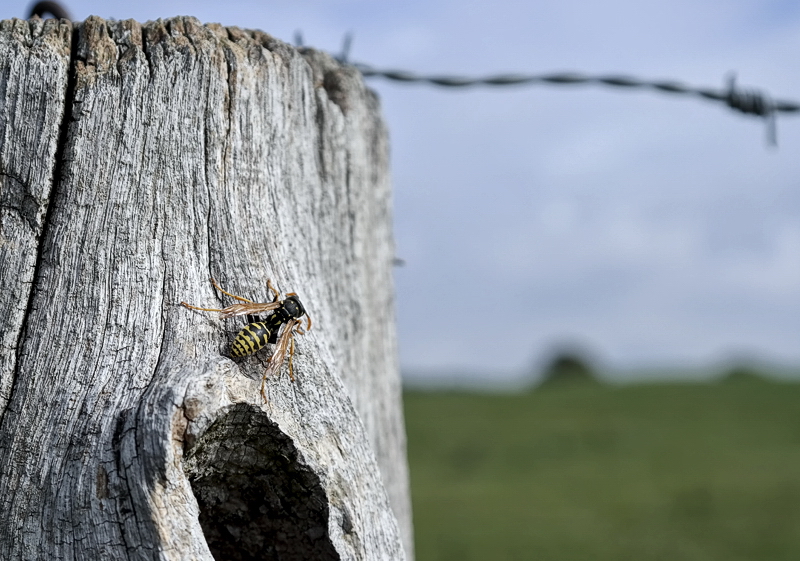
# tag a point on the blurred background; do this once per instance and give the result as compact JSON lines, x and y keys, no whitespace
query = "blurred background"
{"x":587,"y":239}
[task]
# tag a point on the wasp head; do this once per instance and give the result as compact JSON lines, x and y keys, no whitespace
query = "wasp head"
{"x":293,"y":307}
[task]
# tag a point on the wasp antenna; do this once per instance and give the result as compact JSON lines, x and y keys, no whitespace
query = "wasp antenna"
{"x":273,"y":289}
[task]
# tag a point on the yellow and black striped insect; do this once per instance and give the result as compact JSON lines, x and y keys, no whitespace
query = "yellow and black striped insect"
{"x":278,"y":328}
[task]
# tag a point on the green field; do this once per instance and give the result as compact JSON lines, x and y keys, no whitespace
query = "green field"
{"x":599,"y":472}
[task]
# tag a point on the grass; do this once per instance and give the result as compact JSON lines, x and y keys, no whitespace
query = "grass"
{"x":648,"y":472}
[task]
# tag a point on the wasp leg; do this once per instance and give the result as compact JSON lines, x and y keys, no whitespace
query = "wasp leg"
{"x":265,"y":366}
{"x":263,"y":388}
{"x":218,"y":287}
{"x":272,"y":288}
{"x":184,"y":304}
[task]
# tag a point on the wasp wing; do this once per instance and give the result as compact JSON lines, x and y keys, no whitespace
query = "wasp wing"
{"x":276,"y":360}
{"x":252,"y":308}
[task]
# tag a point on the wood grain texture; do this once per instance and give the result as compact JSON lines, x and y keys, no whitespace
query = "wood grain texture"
{"x":34,"y":63}
{"x":193,"y":151}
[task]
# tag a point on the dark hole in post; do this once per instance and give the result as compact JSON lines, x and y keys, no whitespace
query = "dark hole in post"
{"x":257,"y":501}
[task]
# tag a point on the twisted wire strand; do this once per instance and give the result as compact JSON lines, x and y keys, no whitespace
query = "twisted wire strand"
{"x":747,"y":101}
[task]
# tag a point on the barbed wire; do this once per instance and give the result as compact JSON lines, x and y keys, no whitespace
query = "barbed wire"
{"x":749,"y":101}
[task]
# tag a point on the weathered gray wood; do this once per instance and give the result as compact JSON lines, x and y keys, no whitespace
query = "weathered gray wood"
{"x":34,"y":62}
{"x":193,"y":151}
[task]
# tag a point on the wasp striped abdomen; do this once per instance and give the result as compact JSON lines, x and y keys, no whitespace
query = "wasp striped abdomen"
{"x":251,"y":338}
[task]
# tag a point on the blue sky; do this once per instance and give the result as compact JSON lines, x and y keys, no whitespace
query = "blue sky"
{"x":653,"y":231}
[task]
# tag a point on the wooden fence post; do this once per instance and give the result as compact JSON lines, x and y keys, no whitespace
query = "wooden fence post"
{"x":137,"y":161}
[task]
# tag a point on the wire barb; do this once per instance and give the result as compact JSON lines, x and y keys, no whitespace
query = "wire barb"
{"x":347,"y":42}
{"x":753,"y":102}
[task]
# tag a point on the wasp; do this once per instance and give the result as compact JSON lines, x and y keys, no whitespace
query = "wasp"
{"x":279,"y":328}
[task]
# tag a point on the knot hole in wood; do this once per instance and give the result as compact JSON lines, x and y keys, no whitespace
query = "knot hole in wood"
{"x":257,"y":500}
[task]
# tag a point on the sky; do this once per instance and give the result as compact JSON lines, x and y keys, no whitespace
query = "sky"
{"x":653,"y":233}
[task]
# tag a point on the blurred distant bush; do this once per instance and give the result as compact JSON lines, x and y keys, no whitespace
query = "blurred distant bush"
{"x":743,"y":374}
{"x":568,"y":367}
